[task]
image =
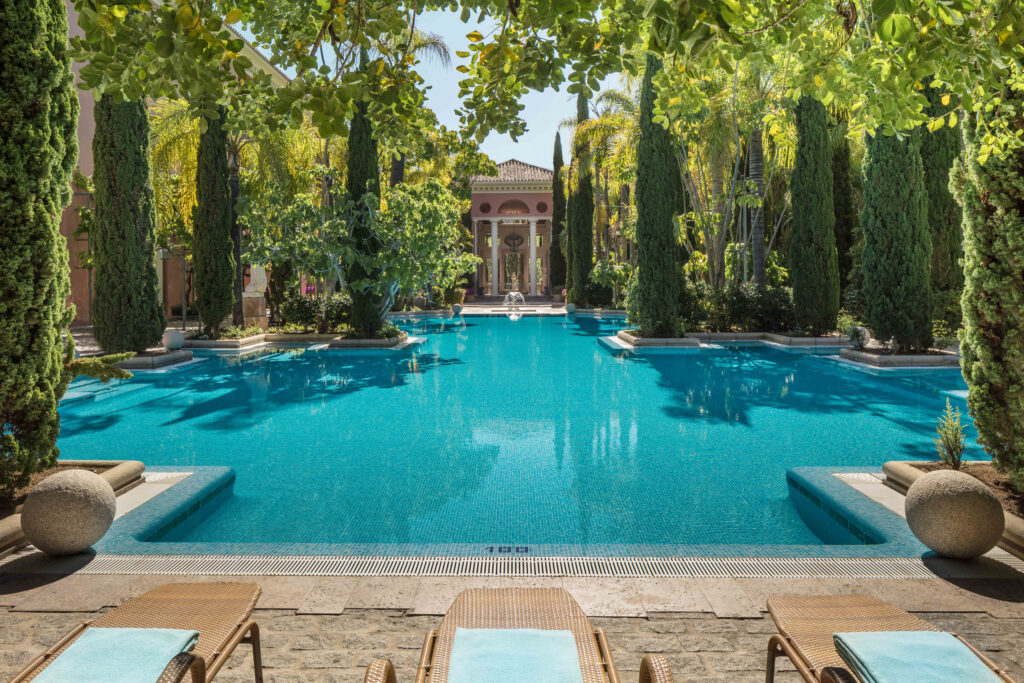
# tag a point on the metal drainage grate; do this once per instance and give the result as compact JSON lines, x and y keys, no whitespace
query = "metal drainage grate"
{"x":681,"y":567}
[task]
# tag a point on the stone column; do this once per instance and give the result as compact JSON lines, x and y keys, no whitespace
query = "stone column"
{"x":475,"y":222}
{"x":533,"y":257}
{"x":494,"y":257}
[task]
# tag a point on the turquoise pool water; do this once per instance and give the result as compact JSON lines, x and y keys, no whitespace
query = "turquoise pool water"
{"x":494,"y":433}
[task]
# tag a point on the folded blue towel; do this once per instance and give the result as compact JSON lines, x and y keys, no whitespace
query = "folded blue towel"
{"x":514,"y":655}
{"x":909,"y":656}
{"x":118,"y":655}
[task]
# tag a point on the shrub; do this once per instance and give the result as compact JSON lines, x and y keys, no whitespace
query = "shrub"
{"x":453,"y":296}
{"x":950,"y":442}
{"x":240,"y":332}
{"x":775,"y":312}
{"x":858,"y":336}
{"x":323,"y":313}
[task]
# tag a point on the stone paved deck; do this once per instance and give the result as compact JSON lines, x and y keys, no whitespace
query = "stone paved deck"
{"x":327,"y":629}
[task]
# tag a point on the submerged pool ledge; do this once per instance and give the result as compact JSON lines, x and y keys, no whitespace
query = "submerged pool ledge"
{"x":823,"y":500}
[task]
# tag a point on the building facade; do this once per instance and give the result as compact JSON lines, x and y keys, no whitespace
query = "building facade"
{"x":511,"y":224}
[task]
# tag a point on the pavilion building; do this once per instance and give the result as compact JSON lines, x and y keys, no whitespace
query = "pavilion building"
{"x":511,"y":225}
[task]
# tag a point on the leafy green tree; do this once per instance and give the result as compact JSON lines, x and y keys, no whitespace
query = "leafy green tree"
{"x":992,"y":356}
{"x":212,"y":259}
{"x":555,"y":255}
{"x":842,"y":205}
{"x":897,"y":246}
{"x":127,"y":314}
{"x":939,"y":150}
{"x":581,"y":215}
{"x":38,"y":148}
{"x":812,"y":252}
{"x":657,"y":189}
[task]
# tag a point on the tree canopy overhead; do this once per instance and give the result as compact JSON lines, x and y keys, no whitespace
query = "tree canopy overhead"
{"x":867,"y":58}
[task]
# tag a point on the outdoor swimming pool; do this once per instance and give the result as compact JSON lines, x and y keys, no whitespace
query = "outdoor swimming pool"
{"x":527,"y":435}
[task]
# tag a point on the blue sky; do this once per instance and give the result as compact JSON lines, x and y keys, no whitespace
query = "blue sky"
{"x":542,"y":112}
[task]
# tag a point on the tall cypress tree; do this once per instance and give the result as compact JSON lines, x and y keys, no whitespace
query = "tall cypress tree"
{"x":897,"y":246}
{"x":657,"y":195}
{"x":212,"y":258}
{"x":813,"y":266}
{"x":842,"y":206}
{"x":992,"y":356}
{"x":38,"y":149}
{"x":363,"y":178}
{"x":938,"y":152}
{"x":127,"y":314}
{"x":555,"y":256}
{"x":581,"y":215}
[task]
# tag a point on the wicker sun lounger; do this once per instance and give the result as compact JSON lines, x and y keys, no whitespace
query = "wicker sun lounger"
{"x":539,"y":608}
{"x":806,"y":625}
{"x":218,"y":611}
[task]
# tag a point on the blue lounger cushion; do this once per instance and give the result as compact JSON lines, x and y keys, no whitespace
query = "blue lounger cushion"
{"x":118,"y":655}
{"x":909,"y":656}
{"x":513,"y":655}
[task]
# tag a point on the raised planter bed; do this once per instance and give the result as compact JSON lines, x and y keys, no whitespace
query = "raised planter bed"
{"x":900,"y":474}
{"x":939,"y":359}
{"x":770,"y":337}
{"x":122,"y":475}
{"x":156,"y":360}
{"x":388,"y":343}
{"x":223,"y":343}
{"x":651,"y":342}
{"x":298,"y":337}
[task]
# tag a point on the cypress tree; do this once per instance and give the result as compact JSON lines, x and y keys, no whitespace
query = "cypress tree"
{"x":555,"y":255}
{"x":842,"y":206}
{"x":813,"y":266}
{"x":939,"y":150}
{"x":212,"y":258}
{"x":581,"y":216}
{"x":992,"y":356}
{"x":657,"y":195}
{"x":38,"y":149}
{"x":897,"y":247}
{"x":127,"y":314}
{"x":363,"y":178}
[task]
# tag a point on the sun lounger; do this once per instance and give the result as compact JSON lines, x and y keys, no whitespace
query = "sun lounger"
{"x":218,"y":611}
{"x":519,"y":608}
{"x":807,"y":625}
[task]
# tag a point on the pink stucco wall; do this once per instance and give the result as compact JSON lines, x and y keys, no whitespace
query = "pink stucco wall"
{"x":495,"y":200}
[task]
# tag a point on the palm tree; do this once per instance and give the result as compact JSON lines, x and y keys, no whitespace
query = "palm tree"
{"x":274,"y":159}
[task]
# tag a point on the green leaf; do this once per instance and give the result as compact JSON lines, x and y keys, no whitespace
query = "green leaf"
{"x":234,"y":16}
{"x":897,"y":28}
{"x":883,"y":8}
{"x":475,"y":36}
{"x":164,"y":45}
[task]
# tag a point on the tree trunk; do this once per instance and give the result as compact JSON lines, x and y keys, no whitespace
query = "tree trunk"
{"x":716,"y":255}
{"x":756,"y":159}
{"x":234,"y":186}
{"x":398,"y":169}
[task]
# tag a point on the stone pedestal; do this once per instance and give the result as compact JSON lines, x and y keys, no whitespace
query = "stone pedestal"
{"x":254,"y":308}
{"x":254,"y":303}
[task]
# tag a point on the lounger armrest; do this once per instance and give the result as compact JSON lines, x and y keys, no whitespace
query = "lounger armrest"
{"x":655,"y":669}
{"x":380,"y":671}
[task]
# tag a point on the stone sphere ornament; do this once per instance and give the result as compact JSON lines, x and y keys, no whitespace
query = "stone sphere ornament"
{"x":456,"y":309}
{"x":173,"y":339}
{"x":570,"y":308}
{"x":954,"y":514}
{"x":67,"y":512}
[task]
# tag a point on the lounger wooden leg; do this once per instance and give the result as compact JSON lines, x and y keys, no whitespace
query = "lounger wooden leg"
{"x":257,"y":657}
{"x":769,"y":667}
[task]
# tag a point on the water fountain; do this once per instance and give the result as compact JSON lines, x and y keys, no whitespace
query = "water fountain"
{"x":514,"y":299}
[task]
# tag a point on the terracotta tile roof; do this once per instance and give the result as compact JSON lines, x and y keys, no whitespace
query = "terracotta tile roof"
{"x":515,"y":171}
